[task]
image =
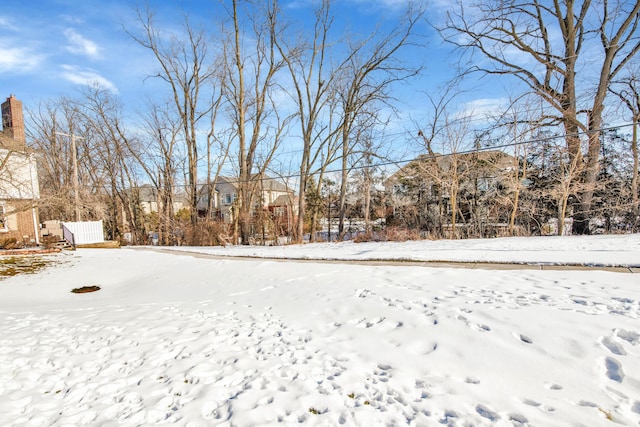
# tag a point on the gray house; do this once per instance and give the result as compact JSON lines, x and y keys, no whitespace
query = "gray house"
{"x":270,"y":194}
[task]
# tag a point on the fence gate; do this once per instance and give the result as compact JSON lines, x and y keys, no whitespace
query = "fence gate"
{"x":86,"y":232}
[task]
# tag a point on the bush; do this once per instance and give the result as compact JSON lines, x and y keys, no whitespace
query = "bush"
{"x":389,"y":234}
{"x":366,"y":237}
{"x":10,"y":243}
{"x":208,"y":233}
{"x":49,"y":241}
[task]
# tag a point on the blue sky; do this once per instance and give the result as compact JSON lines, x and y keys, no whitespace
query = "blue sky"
{"x":52,"y":48}
{"x":49,"y":48}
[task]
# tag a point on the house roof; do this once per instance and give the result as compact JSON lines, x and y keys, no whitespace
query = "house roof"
{"x":148,"y":193}
{"x":284,"y":200}
{"x":481,"y":158}
{"x":272,"y":184}
{"x":267,"y":183}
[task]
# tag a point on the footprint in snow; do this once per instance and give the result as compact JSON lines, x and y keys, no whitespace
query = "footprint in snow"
{"x":367,"y":323}
{"x":479,"y":327}
{"x":525,"y":339}
{"x":487,"y":413}
{"x":612,"y":346}
{"x":553,"y":386}
{"x":531,"y":403}
{"x":448,"y":417}
{"x":518,"y":418}
{"x":475,"y":326}
{"x":614,"y":369}
{"x":631,"y":337}
{"x":363,"y":293}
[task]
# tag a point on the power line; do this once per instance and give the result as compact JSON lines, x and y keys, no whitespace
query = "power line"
{"x":409,"y":133}
{"x":480,"y":149}
{"x":439,"y":155}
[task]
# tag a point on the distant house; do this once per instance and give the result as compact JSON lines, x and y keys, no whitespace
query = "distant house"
{"x":19,"y":188}
{"x":270,"y":195}
{"x":423,"y":192}
{"x":147,"y":200}
{"x":147,"y":196}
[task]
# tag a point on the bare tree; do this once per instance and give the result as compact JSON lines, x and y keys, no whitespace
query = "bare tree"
{"x":47,"y":125}
{"x":111,"y":161}
{"x":520,"y":122}
{"x":445,"y":172}
{"x":158,"y":159}
{"x":187,"y":68}
{"x":251,"y":67}
{"x":431,"y":132}
{"x":520,"y":167}
{"x":518,"y":39}
{"x":312,"y":89}
{"x":369,"y":71}
{"x":627,"y":90}
{"x":218,"y":146}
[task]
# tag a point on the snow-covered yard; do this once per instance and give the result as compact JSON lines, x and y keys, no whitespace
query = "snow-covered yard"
{"x":197,"y":341}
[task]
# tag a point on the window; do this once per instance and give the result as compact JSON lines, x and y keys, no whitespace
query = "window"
{"x":484,"y":184}
{"x":3,"y":220}
{"x":227,"y":199}
{"x":399,"y":189}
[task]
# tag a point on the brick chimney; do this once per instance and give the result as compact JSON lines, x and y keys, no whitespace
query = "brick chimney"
{"x":13,"y":120}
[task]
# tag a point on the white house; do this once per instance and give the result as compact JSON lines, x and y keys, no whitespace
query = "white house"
{"x":19,"y":188}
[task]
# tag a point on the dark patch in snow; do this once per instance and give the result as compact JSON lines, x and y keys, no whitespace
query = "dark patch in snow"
{"x":487,"y":413}
{"x":613,"y":347}
{"x":525,"y":339}
{"x":614,"y":369}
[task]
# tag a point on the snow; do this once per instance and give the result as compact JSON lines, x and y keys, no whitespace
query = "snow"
{"x":206,"y":340}
{"x":609,"y":250}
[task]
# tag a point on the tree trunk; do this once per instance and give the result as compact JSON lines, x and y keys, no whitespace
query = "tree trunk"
{"x":634,"y":178}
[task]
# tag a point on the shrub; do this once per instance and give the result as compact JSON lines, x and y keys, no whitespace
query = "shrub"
{"x":208,"y":233}
{"x":9,"y":243}
{"x":389,"y":234}
{"x":49,"y":241}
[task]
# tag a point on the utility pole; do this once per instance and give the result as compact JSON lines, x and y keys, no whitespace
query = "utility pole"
{"x":76,"y":184}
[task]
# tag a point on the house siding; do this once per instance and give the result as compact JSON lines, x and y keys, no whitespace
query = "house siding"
{"x":21,"y":224}
{"x":19,"y":188}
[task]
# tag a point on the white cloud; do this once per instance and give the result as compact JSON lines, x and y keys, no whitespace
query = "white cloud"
{"x":80,"y":45}
{"x":482,"y":109}
{"x":87,"y":78}
{"x":17,"y":59}
{"x":393,"y":4}
{"x":298,"y":4}
{"x":7,"y":24}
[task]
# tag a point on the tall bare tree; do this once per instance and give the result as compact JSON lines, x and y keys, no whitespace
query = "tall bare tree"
{"x":312,"y":89}
{"x":55,"y":171}
{"x":252,"y":62}
{"x":159,"y":160}
{"x":550,"y":46}
{"x":370,"y":70}
{"x":111,"y":162}
{"x":54,"y":129}
{"x":187,"y":67}
{"x":627,"y":89}
{"x":432,"y":132}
